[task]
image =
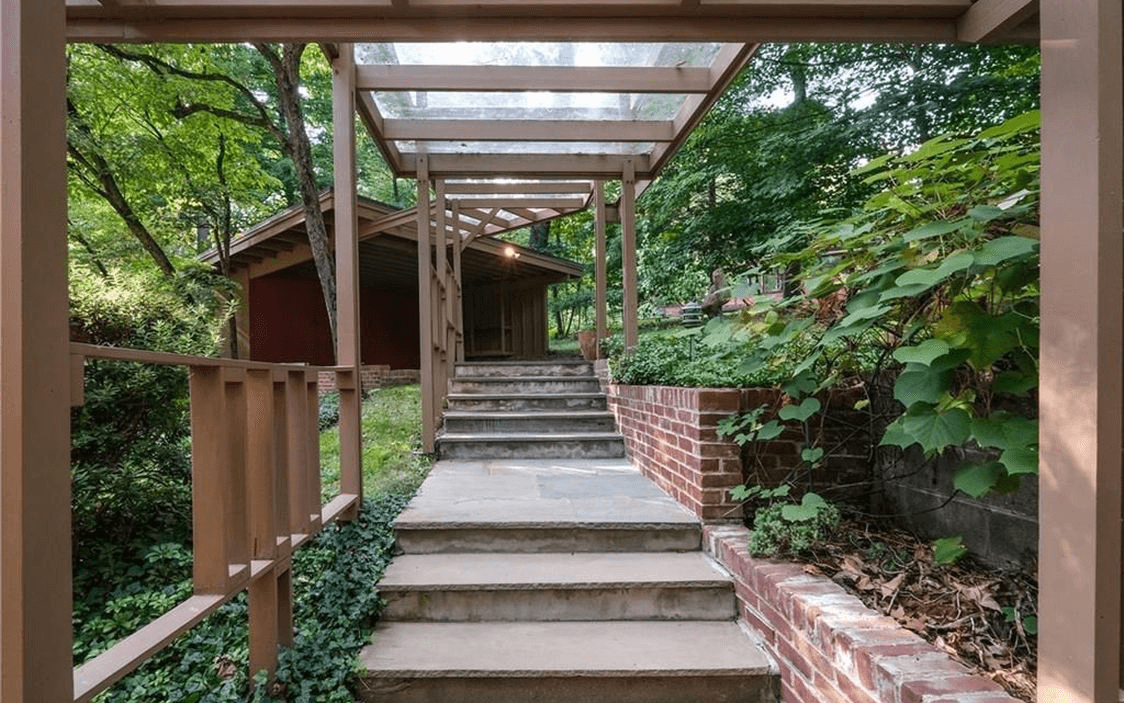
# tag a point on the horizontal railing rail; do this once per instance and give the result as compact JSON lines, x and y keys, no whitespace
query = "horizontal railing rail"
{"x":255,"y":458}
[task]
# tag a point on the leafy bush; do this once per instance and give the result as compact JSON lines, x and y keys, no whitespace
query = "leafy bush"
{"x":784,"y":528}
{"x":329,"y":409}
{"x":686,"y":358}
{"x":130,"y":453}
{"x":334,"y":607}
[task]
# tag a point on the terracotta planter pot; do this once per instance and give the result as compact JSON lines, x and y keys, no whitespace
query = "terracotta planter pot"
{"x":587,"y":340}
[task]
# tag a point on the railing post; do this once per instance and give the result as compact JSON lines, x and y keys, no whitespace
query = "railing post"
{"x":209,"y":437}
{"x":312,"y":467}
{"x":631,"y":305}
{"x":600,"y":275}
{"x":261,"y":492}
{"x":300,"y":453}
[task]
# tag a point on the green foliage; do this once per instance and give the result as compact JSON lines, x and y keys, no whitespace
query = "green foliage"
{"x":791,"y":528}
{"x":334,"y":606}
{"x":939,"y":273}
{"x":392,"y":458}
{"x":949,"y":550}
{"x":329,"y":409}
{"x":130,"y":465}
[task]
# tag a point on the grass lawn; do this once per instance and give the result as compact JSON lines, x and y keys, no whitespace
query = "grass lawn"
{"x":392,"y":458}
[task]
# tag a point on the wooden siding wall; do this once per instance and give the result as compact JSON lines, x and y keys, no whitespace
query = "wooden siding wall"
{"x":505,"y":321}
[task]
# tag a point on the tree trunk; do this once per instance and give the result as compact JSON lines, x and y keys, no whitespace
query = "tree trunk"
{"x":286,"y":68}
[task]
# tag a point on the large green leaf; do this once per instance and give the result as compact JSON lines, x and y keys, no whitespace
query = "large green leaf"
{"x":985,"y":213}
{"x":932,"y":276}
{"x":801,"y":412}
{"x":1004,"y":430}
{"x":1004,"y":249}
{"x":770,"y":430}
{"x":809,"y":507}
{"x":895,"y":436}
{"x":987,"y":338}
{"x":936,"y":431}
{"x":933,"y":229}
{"x":977,"y":480}
{"x":904,"y":291}
{"x":925,"y":353}
{"x":1020,"y":460}
{"x":920,"y":384}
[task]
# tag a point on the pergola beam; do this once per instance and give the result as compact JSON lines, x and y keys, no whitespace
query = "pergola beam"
{"x":510,"y":203}
{"x":732,"y":27}
{"x":535,"y":187}
{"x":570,"y":79}
{"x":529,"y":130}
{"x":987,"y":20}
{"x":473,"y":165}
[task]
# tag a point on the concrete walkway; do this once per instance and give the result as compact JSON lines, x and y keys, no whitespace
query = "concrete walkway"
{"x":557,"y":580}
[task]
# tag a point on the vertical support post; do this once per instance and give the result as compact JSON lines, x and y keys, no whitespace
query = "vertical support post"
{"x":628,"y":254}
{"x":232,"y":471}
{"x":35,"y":612}
{"x":261,"y":495}
{"x":209,"y":453}
{"x":458,"y":309}
{"x":425,"y":307}
{"x":312,"y":505}
{"x":441,"y":320}
{"x":241,"y":317}
{"x":348,"y":351}
{"x":300,"y":452}
{"x":600,"y":275}
{"x":1082,"y":389}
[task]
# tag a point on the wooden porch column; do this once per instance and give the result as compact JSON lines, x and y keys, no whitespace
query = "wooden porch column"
{"x":440,"y":316}
{"x":628,"y":254}
{"x":35,"y":611}
{"x":1082,"y":389}
{"x":242,"y":314}
{"x":458,"y":310}
{"x":425,"y":307}
{"x":601,"y":285}
{"x":347,"y":270}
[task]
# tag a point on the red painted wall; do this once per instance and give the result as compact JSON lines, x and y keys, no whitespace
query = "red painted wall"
{"x":288,"y":323}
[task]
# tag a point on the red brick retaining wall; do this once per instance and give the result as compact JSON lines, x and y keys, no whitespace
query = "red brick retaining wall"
{"x":375,"y":376}
{"x":829,"y":646}
{"x":672,"y":435}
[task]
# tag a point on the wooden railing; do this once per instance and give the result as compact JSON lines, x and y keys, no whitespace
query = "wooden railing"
{"x":255,"y":457}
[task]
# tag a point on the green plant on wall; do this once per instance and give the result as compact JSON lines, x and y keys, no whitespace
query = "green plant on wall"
{"x":937,"y":277}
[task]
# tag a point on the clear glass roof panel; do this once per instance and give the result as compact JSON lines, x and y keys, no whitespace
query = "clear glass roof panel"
{"x":475,"y":148}
{"x":529,"y":105}
{"x":537,"y":54}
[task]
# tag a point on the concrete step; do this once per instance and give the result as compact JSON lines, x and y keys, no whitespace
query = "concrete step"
{"x":524,"y":368}
{"x":564,"y":662}
{"x":524,"y":384}
{"x":510,"y":538}
{"x":523,"y":402}
{"x":574,"y":445}
{"x":553,"y":587}
{"x":537,"y":422}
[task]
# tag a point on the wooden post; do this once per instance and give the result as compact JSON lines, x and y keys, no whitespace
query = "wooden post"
{"x":458,"y":310}
{"x":299,"y":441}
{"x":209,"y":454}
{"x":628,"y":254}
{"x":35,"y":611}
{"x":348,"y":350}
{"x":1081,"y":393}
{"x":425,"y":307}
{"x":261,"y":493}
{"x":441,"y":330}
{"x":599,"y":262}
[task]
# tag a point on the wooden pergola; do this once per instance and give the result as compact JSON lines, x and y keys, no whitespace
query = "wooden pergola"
{"x":501,"y":167}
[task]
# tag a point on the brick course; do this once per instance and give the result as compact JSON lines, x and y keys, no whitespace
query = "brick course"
{"x":375,"y":376}
{"x":831,"y":648}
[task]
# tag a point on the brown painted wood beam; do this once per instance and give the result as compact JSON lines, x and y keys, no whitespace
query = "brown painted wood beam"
{"x":731,"y":27}
{"x":988,"y":20}
{"x":545,"y":165}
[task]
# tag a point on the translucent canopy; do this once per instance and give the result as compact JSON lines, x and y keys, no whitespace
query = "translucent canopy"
{"x":538,"y":109}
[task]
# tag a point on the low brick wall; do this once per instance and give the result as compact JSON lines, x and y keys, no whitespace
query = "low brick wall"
{"x":672,"y":435}
{"x":374,"y":376}
{"x":829,"y":646}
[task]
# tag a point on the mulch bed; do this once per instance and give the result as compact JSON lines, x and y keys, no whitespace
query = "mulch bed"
{"x":982,"y":617}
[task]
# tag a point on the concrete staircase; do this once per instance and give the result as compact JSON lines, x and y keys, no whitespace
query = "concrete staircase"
{"x":527,"y":410}
{"x":556,"y":581}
